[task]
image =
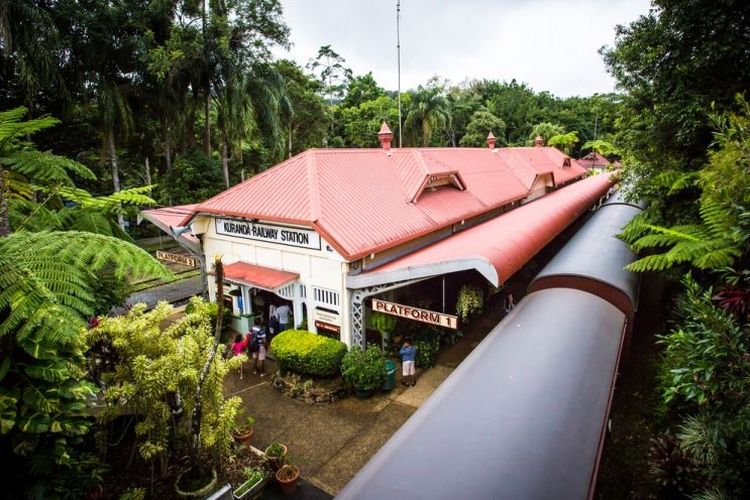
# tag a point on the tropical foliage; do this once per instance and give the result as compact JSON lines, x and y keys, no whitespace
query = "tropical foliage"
{"x":364,"y":369}
{"x":46,"y":296}
{"x":705,"y":374}
{"x":682,"y":78}
{"x":157,"y":367}
{"x":720,"y":237}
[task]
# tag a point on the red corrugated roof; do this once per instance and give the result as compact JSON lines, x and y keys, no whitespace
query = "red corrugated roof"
{"x":542,"y":160}
{"x":264,"y":277}
{"x":499,"y":247}
{"x":360,"y":199}
{"x":593,"y":159}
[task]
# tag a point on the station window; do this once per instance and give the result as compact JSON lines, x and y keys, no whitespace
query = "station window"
{"x":326,"y":297}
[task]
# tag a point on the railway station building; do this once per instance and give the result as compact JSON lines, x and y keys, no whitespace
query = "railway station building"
{"x":336,"y":233}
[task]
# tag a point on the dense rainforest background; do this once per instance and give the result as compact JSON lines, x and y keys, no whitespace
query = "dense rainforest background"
{"x":186,"y":95}
{"x":165,"y":102}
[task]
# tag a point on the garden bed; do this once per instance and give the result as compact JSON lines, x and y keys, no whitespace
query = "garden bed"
{"x":121,"y":478}
{"x":310,"y":390}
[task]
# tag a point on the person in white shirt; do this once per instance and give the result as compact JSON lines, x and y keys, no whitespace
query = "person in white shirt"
{"x":282,"y":315}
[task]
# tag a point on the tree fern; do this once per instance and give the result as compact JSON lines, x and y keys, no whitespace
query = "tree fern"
{"x":710,"y":245}
{"x":45,"y":296}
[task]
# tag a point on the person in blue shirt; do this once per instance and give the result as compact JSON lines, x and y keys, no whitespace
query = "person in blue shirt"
{"x":408,"y":357}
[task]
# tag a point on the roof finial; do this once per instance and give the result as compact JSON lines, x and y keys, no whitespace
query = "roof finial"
{"x":538,"y":142}
{"x":386,"y":136}
{"x":491,"y":140}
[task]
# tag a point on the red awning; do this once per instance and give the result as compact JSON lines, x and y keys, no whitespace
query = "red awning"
{"x":496,"y":248}
{"x":258,"y":276}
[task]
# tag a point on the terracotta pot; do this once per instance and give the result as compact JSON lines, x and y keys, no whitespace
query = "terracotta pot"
{"x":243,"y":438}
{"x":202,"y":491}
{"x":276,"y":462}
{"x":287,"y":478}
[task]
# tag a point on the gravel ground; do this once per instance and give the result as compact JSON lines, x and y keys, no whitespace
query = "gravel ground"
{"x":172,"y":292}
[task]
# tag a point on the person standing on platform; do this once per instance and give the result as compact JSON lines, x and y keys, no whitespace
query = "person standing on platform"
{"x":238,"y":347}
{"x":408,"y":360}
{"x":257,"y":348}
{"x":273,"y":321}
{"x":282,"y":315}
{"x":510,"y":304}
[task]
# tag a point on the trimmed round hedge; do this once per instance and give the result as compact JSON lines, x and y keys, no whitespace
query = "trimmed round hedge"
{"x":306,"y":353}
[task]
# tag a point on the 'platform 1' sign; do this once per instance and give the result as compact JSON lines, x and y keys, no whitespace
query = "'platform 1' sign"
{"x":415,"y":313}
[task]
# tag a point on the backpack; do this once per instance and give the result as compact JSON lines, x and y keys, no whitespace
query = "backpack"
{"x":253,"y":345}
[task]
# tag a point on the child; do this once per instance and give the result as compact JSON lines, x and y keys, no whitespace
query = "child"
{"x":258,"y":348}
{"x":408,"y":356}
{"x":238,"y":347}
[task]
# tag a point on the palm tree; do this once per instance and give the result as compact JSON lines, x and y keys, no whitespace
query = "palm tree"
{"x":428,"y":111}
{"x":564,"y":142}
{"x":251,"y":100}
{"x":114,"y":115}
{"x":545,"y":130}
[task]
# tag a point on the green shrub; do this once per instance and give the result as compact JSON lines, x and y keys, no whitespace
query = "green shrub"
{"x":364,"y":369}
{"x":426,"y":351}
{"x":307,"y":353}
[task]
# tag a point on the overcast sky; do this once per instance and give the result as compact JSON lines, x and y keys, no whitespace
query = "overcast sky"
{"x":549,"y":44}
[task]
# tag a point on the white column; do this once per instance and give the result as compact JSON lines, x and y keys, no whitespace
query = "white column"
{"x":297,"y":306}
{"x":247,"y":300}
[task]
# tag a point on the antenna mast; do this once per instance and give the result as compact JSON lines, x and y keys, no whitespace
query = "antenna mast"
{"x":398,"y":51}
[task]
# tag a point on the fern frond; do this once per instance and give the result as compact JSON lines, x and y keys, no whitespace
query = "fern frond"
{"x":88,"y":220}
{"x":650,"y":263}
{"x":717,"y":218}
{"x":47,"y":168}
{"x":675,"y":181}
{"x":133,"y":196}
{"x":45,"y":269}
{"x":96,"y":251}
{"x":16,"y":186}
{"x":12,"y":129}
{"x":665,"y":236}
{"x":25,"y":214}
{"x":637,"y":227}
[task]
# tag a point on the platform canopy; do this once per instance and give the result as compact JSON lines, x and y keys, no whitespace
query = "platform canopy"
{"x":266,"y":278}
{"x":496,"y":248}
{"x":169,"y":220}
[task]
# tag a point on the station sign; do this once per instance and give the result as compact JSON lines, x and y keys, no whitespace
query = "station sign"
{"x":176,"y":258}
{"x":329,"y":321}
{"x":327,"y":316}
{"x":415,"y":313}
{"x":273,"y":233}
{"x":321,"y":325}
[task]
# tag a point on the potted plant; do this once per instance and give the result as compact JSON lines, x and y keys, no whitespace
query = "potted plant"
{"x":244,"y":430}
{"x":255,"y":481}
{"x":365,"y":370}
{"x":470,"y":300}
{"x":384,"y":324}
{"x":275,"y":454}
{"x":192,"y":485}
{"x":287,"y":477}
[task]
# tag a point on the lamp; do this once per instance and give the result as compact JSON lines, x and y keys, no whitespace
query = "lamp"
{"x":179,"y":230}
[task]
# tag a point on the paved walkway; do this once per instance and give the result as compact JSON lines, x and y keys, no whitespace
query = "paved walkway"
{"x":330,"y":443}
